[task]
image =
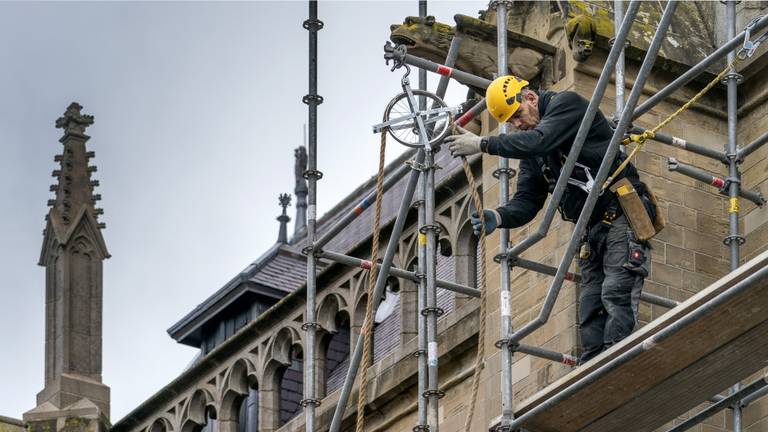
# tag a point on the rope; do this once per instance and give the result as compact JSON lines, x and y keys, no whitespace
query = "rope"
{"x":372,"y":275}
{"x":480,"y":355}
{"x":649,"y":134}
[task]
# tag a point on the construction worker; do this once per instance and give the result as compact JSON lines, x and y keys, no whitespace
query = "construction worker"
{"x":613,"y":263}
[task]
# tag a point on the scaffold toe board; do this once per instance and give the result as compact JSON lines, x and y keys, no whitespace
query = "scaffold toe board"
{"x":720,"y":339}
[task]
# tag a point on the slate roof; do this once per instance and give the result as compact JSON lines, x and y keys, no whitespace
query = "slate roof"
{"x":286,"y":272}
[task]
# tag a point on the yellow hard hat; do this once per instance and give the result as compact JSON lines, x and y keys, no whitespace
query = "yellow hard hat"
{"x":504,"y":96}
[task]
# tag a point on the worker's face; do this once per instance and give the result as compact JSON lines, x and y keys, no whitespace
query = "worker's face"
{"x":527,"y":116}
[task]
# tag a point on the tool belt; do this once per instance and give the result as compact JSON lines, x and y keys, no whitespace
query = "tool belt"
{"x":640,"y":207}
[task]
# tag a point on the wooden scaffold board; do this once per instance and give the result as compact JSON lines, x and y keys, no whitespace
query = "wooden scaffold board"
{"x":725,"y":345}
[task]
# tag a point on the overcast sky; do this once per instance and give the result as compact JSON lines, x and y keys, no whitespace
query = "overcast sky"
{"x":197,"y":111}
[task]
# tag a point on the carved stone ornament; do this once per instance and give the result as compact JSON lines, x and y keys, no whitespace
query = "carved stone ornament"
{"x":73,"y":122}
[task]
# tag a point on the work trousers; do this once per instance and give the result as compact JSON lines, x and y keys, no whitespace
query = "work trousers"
{"x":611,"y":281}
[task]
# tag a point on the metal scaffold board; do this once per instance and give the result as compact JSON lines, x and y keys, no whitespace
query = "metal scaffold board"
{"x":722,"y":345}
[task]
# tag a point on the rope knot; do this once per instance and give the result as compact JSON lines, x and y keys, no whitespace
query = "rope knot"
{"x":639,"y":138}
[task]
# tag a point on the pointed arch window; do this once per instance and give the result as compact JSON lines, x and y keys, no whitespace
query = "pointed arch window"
{"x":292,"y":386}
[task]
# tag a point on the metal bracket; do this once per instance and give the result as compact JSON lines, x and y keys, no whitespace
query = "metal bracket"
{"x":420,"y":428}
{"x":420,"y":167}
{"x":312,"y":98}
{"x":435,"y":310}
{"x":426,"y":228}
{"x":729,"y":181}
{"x":733,"y":75}
{"x":307,"y":250}
{"x":312,"y":174}
{"x":508,"y":343}
{"x":308,"y":325}
{"x":498,"y":257}
{"x":728,"y":240}
{"x":313,"y":24}
{"x":495,"y":3}
{"x":438,"y":393}
{"x":511,"y":172}
{"x":307,"y":402}
{"x":419,"y":353}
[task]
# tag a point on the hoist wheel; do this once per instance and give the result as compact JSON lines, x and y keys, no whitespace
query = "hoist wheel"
{"x":406,"y":132}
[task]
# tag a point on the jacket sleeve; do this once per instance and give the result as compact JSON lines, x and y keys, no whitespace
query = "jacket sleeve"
{"x":557,"y":127}
{"x":532,"y":190}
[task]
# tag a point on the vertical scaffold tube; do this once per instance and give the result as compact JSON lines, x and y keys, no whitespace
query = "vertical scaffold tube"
{"x":618,"y":17}
{"x":422,"y":289}
{"x":734,"y":240}
{"x":310,"y":400}
{"x":507,"y":411}
{"x":422,"y":318}
{"x":381,"y":281}
{"x":430,"y":230}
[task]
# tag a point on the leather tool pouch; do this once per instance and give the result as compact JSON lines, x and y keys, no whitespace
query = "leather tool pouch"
{"x":634,"y":208}
{"x":659,"y":222}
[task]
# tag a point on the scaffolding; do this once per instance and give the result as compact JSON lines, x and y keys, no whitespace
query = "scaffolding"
{"x":423,"y":122}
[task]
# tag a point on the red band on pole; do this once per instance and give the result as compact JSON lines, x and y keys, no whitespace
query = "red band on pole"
{"x":358,"y":210}
{"x":570,"y":360}
{"x":444,"y":70}
{"x":718,"y":182}
{"x":365,"y":265}
{"x":464,"y":119}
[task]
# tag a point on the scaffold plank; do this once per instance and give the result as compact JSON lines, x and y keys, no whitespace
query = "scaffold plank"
{"x":725,"y":345}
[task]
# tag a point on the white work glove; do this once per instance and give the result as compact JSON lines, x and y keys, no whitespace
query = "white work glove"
{"x":463,"y":144}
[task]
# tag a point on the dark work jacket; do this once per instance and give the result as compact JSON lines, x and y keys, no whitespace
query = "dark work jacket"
{"x":548,"y":144}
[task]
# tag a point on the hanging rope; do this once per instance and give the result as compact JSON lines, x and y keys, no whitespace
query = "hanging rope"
{"x":649,"y":134}
{"x":372,"y":275}
{"x":480,"y":355}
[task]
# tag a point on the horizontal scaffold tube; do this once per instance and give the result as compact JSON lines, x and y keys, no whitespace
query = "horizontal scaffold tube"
{"x":675,"y":166}
{"x":398,"y":272}
{"x":575,"y":277}
{"x":754,"y":145}
{"x":399,"y":54}
{"x":546,"y":354}
{"x":697,"y":69}
{"x":684,"y":144}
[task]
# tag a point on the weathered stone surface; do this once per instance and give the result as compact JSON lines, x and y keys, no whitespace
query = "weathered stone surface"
{"x":429,"y":39}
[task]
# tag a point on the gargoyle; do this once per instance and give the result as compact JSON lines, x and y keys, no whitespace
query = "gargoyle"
{"x":426,"y":38}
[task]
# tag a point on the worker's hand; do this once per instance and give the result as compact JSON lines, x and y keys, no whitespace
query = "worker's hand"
{"x":492,"y":221}
{"x":465,"y":143}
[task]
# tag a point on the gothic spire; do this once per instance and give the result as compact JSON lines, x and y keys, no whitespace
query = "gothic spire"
{"x":74,"y":198}
{"x":282,"y":235}
{"x":75,"y":187}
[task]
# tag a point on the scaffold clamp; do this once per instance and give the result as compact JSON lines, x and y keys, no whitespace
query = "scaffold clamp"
{"x":750,"y":47}
{"x":396,"y":53}
{"x":430,"y":393}
{"x":309,"y":325}
{"x":508,"y":171}
{"x":307,"y":402}
{"x":438,"y":311}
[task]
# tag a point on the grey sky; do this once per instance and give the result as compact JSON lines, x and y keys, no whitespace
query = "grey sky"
{"x":198,"y":110}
